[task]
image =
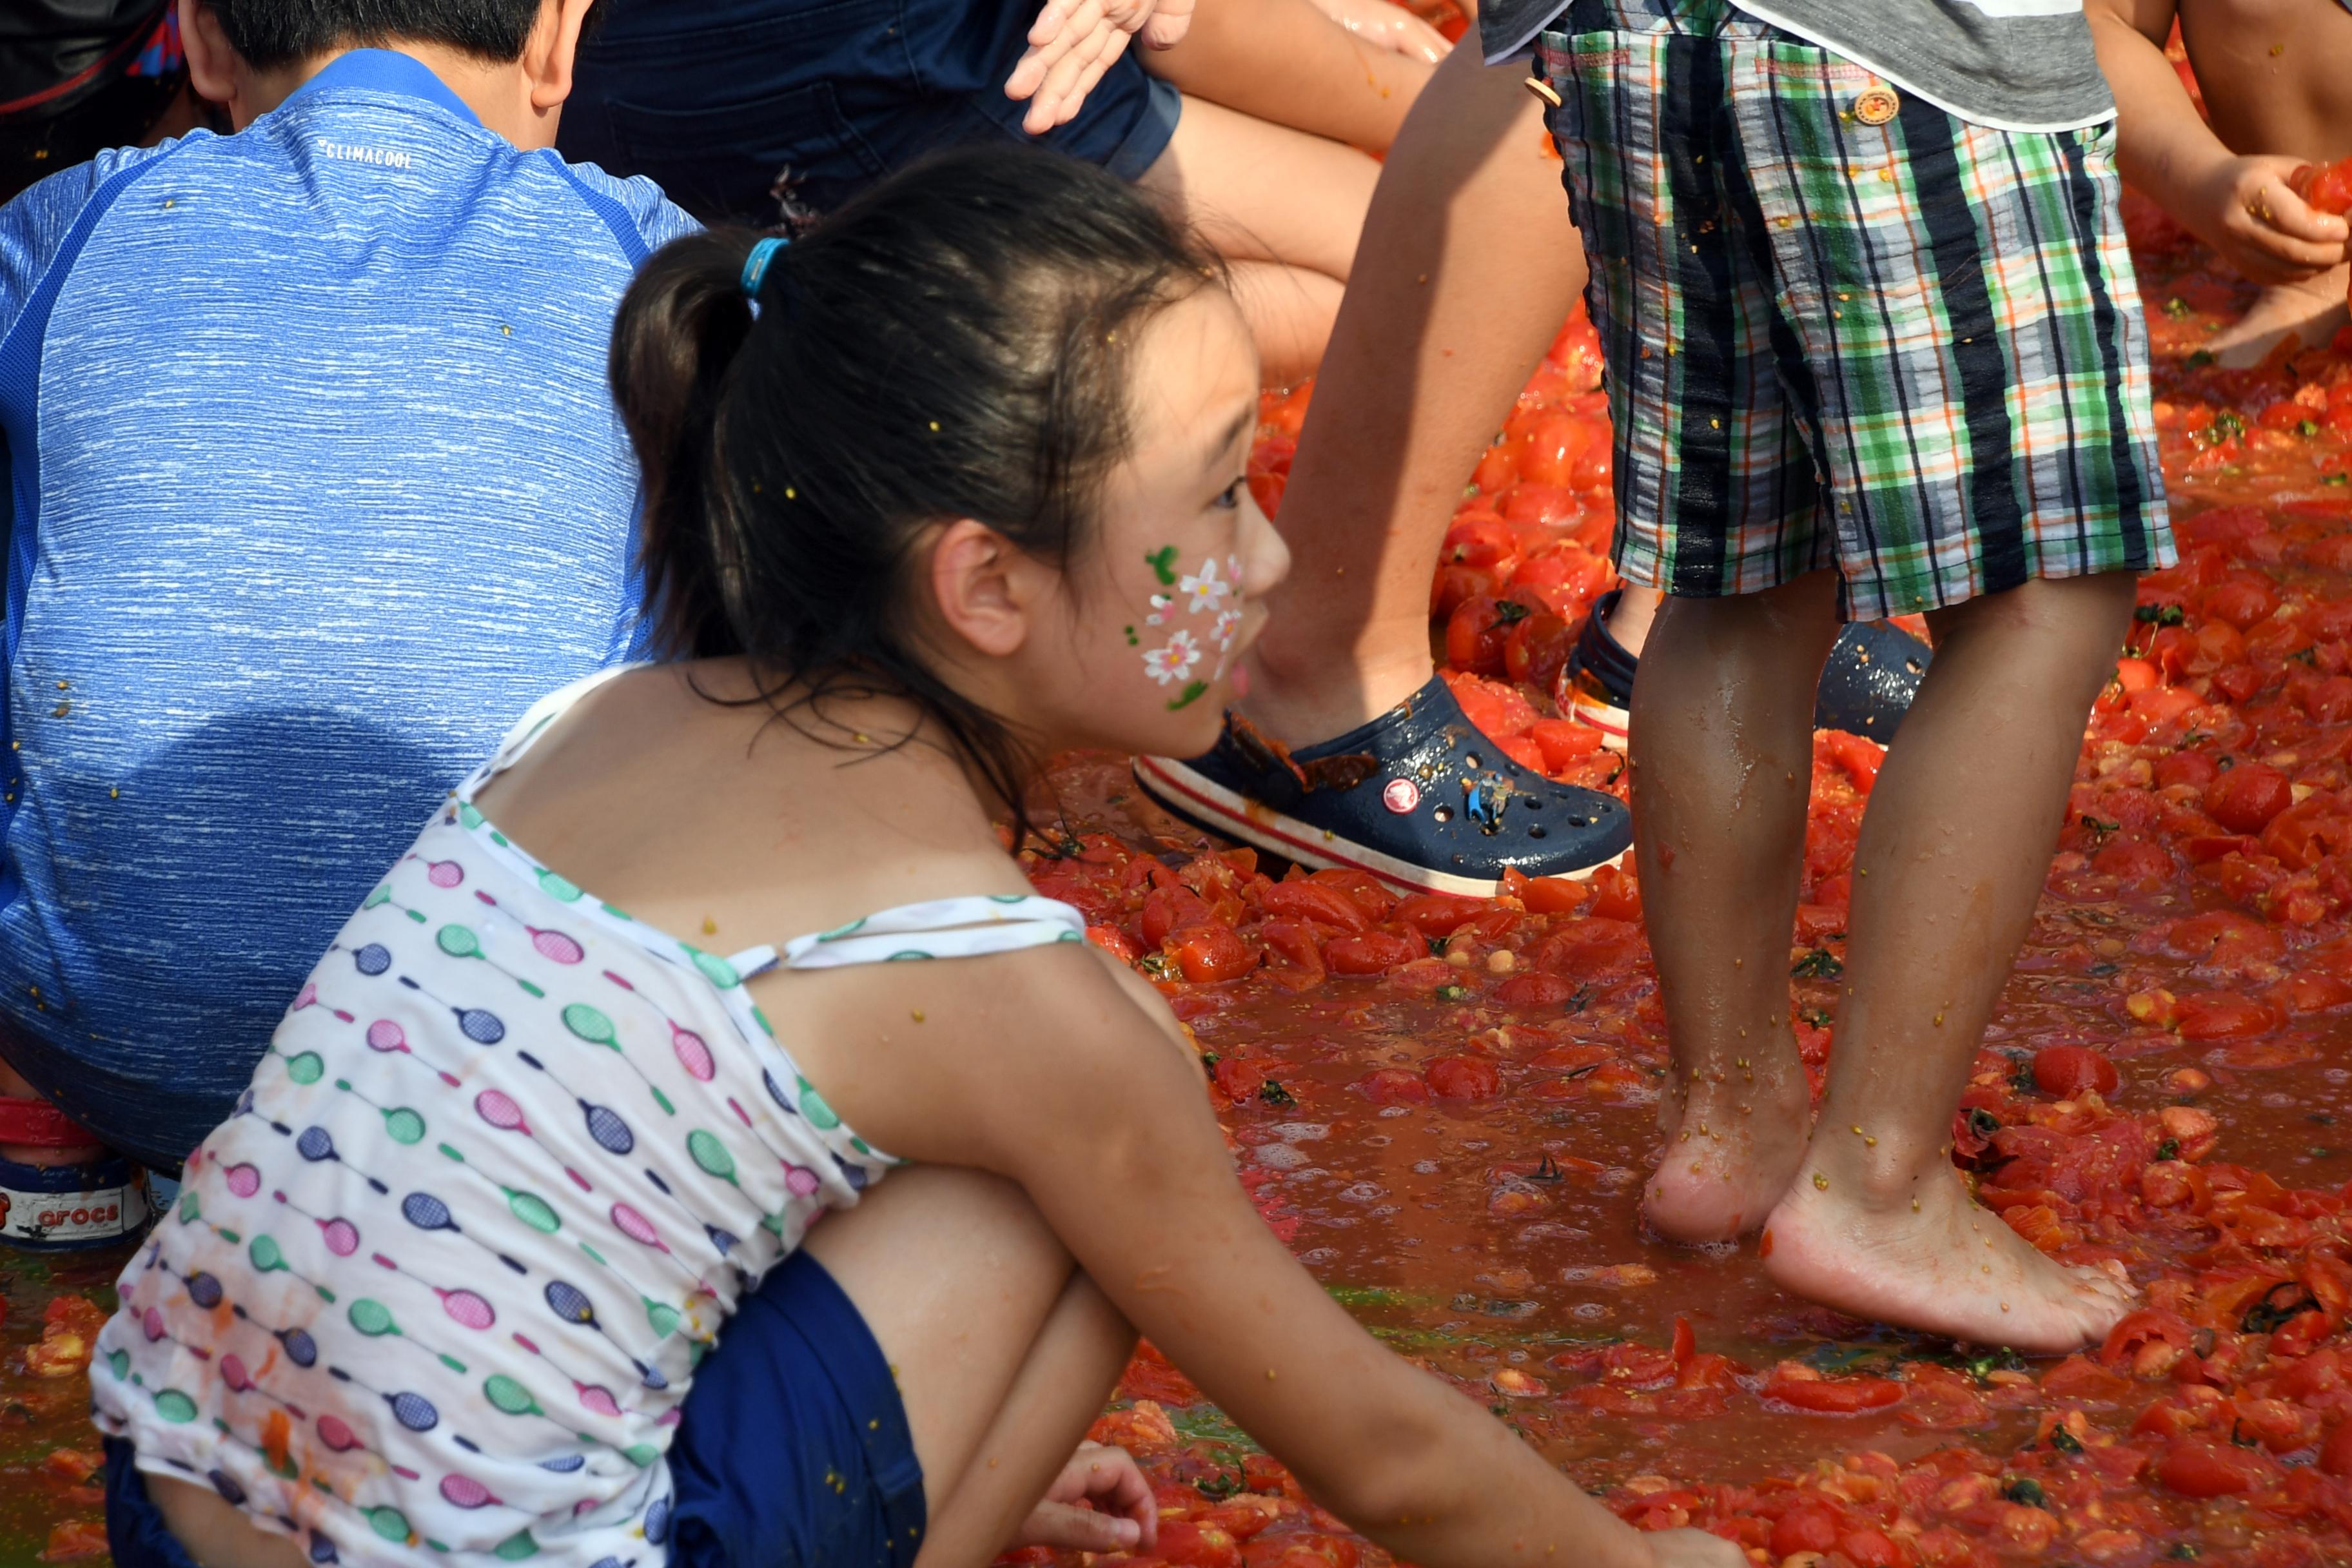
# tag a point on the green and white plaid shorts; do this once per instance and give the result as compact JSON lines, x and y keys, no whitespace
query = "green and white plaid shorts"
{"x":1846,"y":327}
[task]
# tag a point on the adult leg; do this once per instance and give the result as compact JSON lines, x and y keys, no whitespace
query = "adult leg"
{"x":1003,"y":1354}
{"x":1263,"y":192}
{"x":1471,"y":267}
{"x":1953,"y":853}
{"x":1722,"y":753}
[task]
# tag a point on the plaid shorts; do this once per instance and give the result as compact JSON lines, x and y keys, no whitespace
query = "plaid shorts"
{"x":1846,"y":327}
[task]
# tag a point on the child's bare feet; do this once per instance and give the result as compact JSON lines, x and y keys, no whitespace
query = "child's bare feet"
{"x":2311,"y":310}
{"x":1731,"y":1149}
{"x":1934,"y":1262}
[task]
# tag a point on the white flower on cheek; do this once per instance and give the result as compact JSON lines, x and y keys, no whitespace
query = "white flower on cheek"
{"x":1207,"y":592}
{"x":1229,"y":623}
{"x":1173,"y":661}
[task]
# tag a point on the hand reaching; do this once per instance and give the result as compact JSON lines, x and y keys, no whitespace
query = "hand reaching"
{"x":1074,"y":41}
{"x":2246,"y":210}
{"x":1124,"y":1518}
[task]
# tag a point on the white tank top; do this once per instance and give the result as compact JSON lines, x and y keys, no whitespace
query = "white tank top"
{"x":438,"y":1288}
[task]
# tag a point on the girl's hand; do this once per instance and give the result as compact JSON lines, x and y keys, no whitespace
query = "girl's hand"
{"x":2245,"y":210}
{"x":1693,"y":1549}
{"x":1124,"y":1517}
{"x":1074,"y":41}
{"x":1389,"y":27}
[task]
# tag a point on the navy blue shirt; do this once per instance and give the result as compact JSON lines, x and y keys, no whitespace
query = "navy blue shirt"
{"x":316,"y":486}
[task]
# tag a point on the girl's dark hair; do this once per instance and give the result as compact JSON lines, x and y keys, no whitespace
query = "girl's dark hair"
{"x":954,"y":343}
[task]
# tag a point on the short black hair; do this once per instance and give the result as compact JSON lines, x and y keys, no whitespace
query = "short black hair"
{"x":272,"y":33}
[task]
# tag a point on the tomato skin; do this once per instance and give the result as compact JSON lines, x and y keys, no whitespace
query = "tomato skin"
{"x":1240,"y":1080}
{"x":1370,"y":953}
{"x":2202,"y":1467}
{"x":1394,"y":1086}
{"x":1436,"y":914}
{"x":2246,"y":798}
{"x":2069,"y":1070}
{"x":1455,"y":586}
{"x":1536,"y":648}
{"x":1475,"y":635}
{"x":2336,"y":1453}
{"x":2243,"y":602}
{"x":1869,"y":1547}
{"x":1463,"y":1077}
{"x":1166,"y":910}
{"x":1546,"y":895}
{"x":1209,"y":954}
{"x":1825,"y":1397}
{"x":1294,"y":942}
{"x":1113,"y":941}
{"x":1485,"y":542}
{"x":2223,"y":1015}
{"x":1807,"y":1527}
{"x":1535,"y":990}
{"x":1190,"y":1545}
{"x":2196,"y":769}
{"x":2148,"y":1325}
{"x":1309,"y":900}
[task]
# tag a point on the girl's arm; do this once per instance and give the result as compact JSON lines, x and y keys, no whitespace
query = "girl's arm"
{"x":2239,"y":205}
{"x":1044,"y":1066}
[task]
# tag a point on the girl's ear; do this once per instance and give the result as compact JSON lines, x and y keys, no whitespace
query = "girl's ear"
{"x":976,"y":586}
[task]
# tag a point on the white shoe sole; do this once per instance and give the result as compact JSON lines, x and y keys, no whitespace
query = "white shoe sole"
{"x":1199,"y":799}
{"x":1613,"y":723}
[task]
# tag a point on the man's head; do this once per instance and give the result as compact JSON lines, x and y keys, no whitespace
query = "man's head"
{"x":510,"y":60}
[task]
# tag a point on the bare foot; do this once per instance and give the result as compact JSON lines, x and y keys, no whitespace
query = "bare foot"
{"x":1942,"y":1265}
{"x":2311,"y":310}
{"x":1732,"y":1149}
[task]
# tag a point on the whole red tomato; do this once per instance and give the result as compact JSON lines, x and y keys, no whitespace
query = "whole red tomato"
{"x":2244,"y":799}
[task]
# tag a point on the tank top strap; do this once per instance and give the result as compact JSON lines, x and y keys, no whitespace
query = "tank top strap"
{"x":941,"y":928}
{"x":535,"y":721}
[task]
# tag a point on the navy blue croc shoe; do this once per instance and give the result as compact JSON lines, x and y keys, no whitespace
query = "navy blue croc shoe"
{"x":1418,"y":799}
{"x":1868,"y":683}
{"x":1873,"y":674}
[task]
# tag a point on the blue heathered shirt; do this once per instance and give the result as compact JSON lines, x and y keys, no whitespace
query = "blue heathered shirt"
{"x":316,"y":486}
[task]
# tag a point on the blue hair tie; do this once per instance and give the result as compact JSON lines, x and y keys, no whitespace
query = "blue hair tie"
{"x":755,"y":266}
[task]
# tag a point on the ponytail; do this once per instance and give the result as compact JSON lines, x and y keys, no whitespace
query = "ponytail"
{"x":676,"y":339}
{"x":952,"y":344}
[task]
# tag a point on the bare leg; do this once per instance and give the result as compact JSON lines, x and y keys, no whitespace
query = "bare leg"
{"x":1003,"y":1354}
{"x":1469,"y":267}
{"x":1263,"y":193}
{"x":1953,"y":853}
{"x":1288,"y":62}
{"x":1084,"y":1345}
{"x":1722,"y":755}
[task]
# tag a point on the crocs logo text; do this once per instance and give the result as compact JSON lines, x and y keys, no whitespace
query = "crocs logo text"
{"x":1401,"y":795}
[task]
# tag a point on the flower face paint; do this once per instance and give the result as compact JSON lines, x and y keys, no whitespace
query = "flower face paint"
{"x":1204,"y":592}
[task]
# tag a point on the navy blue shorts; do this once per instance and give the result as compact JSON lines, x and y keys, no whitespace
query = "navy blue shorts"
{"x":754,"y":111}
{"x":793,"y":1453}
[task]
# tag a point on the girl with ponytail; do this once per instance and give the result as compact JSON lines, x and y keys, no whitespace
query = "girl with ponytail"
{"x":508,"y":1252}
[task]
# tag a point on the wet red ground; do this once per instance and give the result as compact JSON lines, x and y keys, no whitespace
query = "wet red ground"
{"x":1445,"y":1106}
